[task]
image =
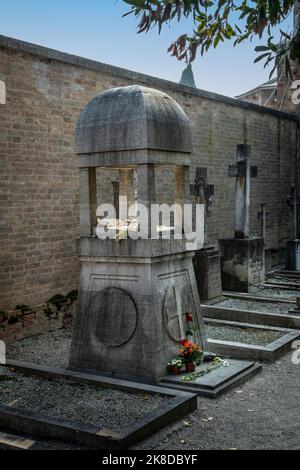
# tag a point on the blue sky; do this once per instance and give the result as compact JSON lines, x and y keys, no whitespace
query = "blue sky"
{"x":95,"y":29}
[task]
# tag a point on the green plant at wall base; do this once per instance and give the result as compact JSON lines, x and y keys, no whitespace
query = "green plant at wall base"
{"x":3,"y":316}
{"x":48,"y":312}
{"x":13,"y":319}
{"x":25,"y":310}
{"x":72,"y":296}
{"x":58,"y":300}
{"x":62,"y":304}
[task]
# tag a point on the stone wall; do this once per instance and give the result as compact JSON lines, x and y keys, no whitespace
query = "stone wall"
{"x":45,"y":92}
{"x":15,"y":326}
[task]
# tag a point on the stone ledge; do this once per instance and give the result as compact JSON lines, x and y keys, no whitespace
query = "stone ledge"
{"x":245,"y":296}
{"x":269,"y":353}
{"x":253,"y":317}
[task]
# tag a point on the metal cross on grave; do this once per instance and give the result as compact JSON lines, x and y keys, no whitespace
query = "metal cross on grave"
{"x":242,"y":171}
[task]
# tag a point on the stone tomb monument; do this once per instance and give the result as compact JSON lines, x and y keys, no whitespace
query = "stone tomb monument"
{"x":133,"y":294}
{"x":206,"y":261}
{"x":242,"y":257}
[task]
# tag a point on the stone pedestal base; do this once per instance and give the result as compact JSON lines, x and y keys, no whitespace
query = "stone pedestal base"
{"x":131,"y":312}
{"x":293,"y":255}
{"x":242,"y":263}
{"x":207,"y":268}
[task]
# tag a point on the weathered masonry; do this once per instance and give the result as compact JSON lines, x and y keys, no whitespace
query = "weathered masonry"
{"x":132,"y":291}
{"x":42,"y":94}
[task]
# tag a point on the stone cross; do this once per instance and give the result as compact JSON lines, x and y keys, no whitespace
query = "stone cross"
{"x":2,"y":92}
{"x":242,"y":171}
{"x":294,"y":201}
{"x":262,"y":215}
{"x":202,"y":192}
{"x":201,"y":188}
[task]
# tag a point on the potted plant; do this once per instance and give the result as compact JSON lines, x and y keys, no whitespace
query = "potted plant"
{"x":175,"y":365}
{"x":190,"y":353}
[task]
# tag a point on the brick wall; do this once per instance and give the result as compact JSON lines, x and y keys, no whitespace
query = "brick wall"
{"x":45,"y":92}
{"x":14,"y":326}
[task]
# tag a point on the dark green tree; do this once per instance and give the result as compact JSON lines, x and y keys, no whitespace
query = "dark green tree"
{"x":216,"y":22}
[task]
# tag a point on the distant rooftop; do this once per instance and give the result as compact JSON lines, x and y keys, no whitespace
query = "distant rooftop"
{"x":269,"y":85}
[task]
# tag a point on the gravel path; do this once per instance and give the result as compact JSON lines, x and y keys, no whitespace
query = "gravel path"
{"x":243,"y":304}
{"x":263,"y":413}
{"x":104,"y":407}
{"x":284,"y":280}
{"x":49,"y":348}
{"x":274,"y":292}
{"x":242,"y":335}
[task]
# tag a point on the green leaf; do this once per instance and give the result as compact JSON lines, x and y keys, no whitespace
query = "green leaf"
{"x":261,"y":57}
{"x":261,"y":48}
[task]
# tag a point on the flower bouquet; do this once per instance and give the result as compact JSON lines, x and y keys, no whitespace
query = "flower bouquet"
{"x":190,"y":353}
{"x":175,"y":365}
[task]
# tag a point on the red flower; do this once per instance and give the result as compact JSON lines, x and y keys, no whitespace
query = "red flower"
{"x":188,"y":316}
{"x":184,"y":342}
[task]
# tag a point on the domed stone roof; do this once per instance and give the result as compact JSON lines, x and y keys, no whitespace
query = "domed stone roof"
{"x":131,"y":118}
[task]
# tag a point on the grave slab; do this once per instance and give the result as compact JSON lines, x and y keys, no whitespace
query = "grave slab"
{"x":254,"y":317}
{"x":178,"y":405}
{"x":217,"y":381}
{"x":268,"y":353}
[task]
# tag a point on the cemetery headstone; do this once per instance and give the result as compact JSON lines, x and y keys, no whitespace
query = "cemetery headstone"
{"x":207,"y":260}
{"x":242,"y":257}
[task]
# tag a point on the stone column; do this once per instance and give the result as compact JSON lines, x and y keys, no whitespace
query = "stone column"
{"x":146,"y":189}
{"x":116,"y":195}
{"x":126,"y":186}
{"x":87,"y":201}
{"x":182,"y":193}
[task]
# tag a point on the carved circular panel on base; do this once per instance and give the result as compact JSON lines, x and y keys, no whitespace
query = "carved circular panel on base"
{"x":115,"y":317}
